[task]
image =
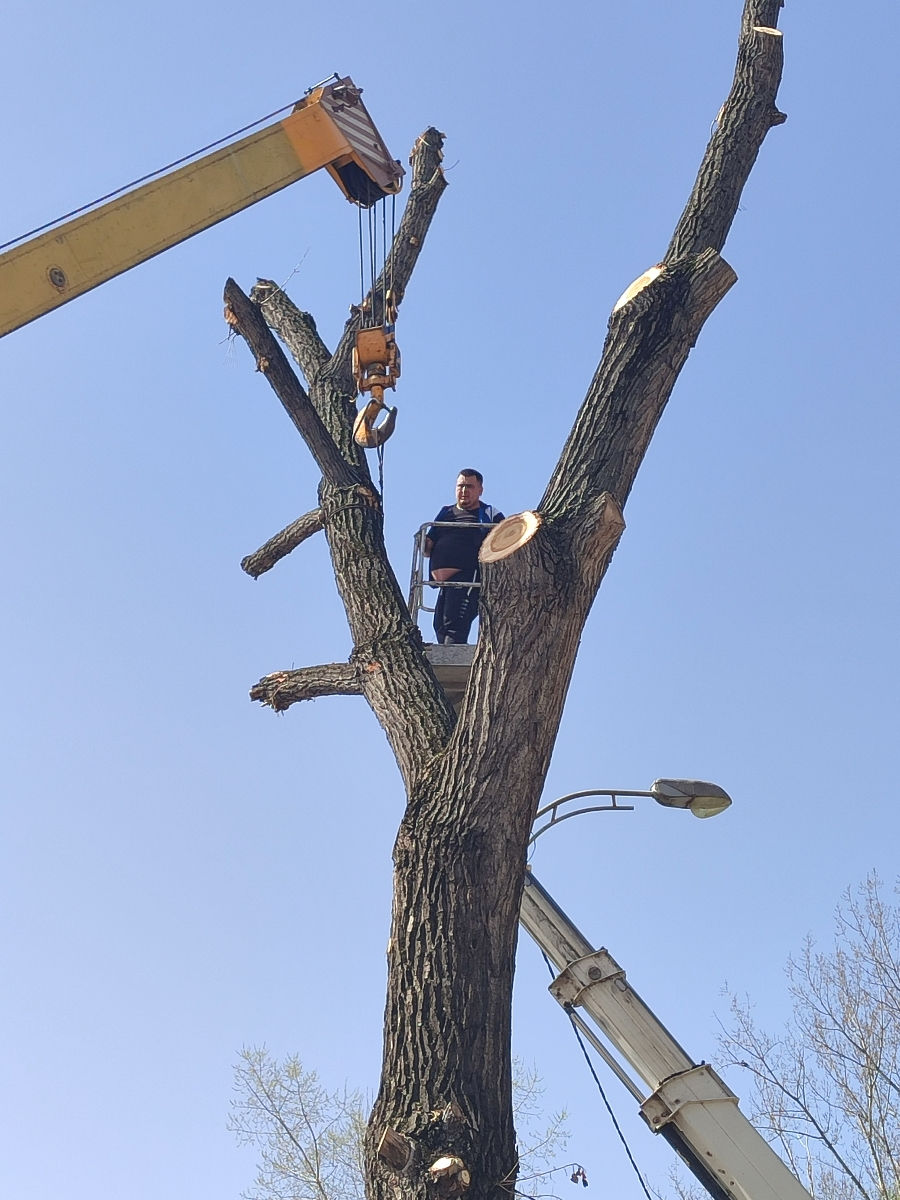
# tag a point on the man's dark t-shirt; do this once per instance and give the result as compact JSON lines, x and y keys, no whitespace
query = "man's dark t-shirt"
{"x":459,"y":547}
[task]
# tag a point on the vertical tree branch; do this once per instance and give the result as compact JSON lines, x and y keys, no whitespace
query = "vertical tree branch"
{"x":428,"y":184}
{"x":743,"y":122}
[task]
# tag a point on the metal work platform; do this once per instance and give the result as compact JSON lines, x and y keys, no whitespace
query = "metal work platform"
{"x":452,"y":665}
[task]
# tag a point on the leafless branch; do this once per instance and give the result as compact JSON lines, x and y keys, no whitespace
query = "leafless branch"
{"x":283,"y":688}
{"x":282,"y":543}
{"x":244,"y":316}
{"x":296,"y":328}
{"x":743,"y":122}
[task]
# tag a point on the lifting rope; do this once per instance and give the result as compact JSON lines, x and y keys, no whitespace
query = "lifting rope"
{"x":376,"y":356}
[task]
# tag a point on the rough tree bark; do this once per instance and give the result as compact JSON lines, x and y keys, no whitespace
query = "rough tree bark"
{"x":442,"y":1121}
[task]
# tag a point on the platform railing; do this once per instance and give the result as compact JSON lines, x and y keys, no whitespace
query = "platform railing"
{"x":417,"y":581}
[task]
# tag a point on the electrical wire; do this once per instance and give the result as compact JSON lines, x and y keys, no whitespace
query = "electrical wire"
{"x":144,"y":178}
{"x":608,"y":1106}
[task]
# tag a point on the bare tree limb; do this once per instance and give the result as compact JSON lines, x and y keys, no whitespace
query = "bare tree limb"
{"x":332,"y":389}
{"x":282,"y":543}
{"x":244,"y":316}
{"x":336,"y":405}
{"x":648,"y":342}
{"x":296,"y":328}
{"x":651,"y":333}
{"x":743,"y":122}
{"x":281,"y":689}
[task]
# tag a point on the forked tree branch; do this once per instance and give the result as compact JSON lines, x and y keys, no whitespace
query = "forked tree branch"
{"x":244,"y":316}
{"x":335,"y":405}
{"x":387,"y":656}
{"x":332,"y":389}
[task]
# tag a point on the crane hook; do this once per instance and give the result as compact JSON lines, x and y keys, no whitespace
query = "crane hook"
{"x":365,"y":431}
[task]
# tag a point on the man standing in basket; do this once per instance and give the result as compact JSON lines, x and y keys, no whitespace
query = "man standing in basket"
{"x":452,"y":544}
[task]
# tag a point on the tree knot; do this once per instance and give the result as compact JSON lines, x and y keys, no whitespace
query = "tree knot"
{"x":358,"y":495}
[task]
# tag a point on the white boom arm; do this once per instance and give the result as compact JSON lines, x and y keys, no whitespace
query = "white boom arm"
{"x":687,"y":1102}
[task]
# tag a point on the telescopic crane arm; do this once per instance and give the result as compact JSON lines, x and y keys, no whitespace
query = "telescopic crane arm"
{"x":684,"y":1101}
{"x":329,"y":128}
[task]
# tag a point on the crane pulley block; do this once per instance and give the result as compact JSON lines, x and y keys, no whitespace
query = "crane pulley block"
{"x":376,"y":366}
{"x":376,"y":359}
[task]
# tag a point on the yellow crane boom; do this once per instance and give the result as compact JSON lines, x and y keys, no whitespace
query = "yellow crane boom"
{"x":329,"y":128}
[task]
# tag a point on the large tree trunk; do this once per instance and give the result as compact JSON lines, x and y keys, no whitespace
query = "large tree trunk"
{"x":442,"y":1122}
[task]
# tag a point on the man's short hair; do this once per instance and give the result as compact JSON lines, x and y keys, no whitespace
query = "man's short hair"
{"x":471,"y":471}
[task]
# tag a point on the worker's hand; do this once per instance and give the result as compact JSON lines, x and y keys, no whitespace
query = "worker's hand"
{"x":429,"y":546}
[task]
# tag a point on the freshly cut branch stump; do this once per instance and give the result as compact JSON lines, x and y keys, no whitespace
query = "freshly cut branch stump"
{"x":509,"y":536}
{"x":395,"y":1149}
{"x":638,"y":286}
{"x":449,"y":1176}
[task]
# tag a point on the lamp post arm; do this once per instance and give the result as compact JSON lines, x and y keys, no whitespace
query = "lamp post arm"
{"x":553,"y":808}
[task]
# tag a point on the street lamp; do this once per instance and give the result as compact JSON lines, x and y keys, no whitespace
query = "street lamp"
{"x":698,"y":797}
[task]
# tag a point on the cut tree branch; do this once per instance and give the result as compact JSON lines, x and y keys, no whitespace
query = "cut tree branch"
{"x":743,"y":122}
{"x":281,"y":689}
{"x":296,"y":328}
{"x":335,"y":405}
{"x":648,"y":342}
{"x":282,"y":543}
{"x":244,"y":316}
{"x":658,"y":319}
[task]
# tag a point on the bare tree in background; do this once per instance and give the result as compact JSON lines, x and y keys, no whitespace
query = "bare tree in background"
{"x":311,"y":1140}
{"x":442,"y":1122}
{"x":827,"y":1088}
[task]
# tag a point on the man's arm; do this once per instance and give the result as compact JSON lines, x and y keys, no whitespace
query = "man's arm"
{"x":433,"y":534}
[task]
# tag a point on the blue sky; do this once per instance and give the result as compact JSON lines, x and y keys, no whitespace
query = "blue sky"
{"x":182,"y":872}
